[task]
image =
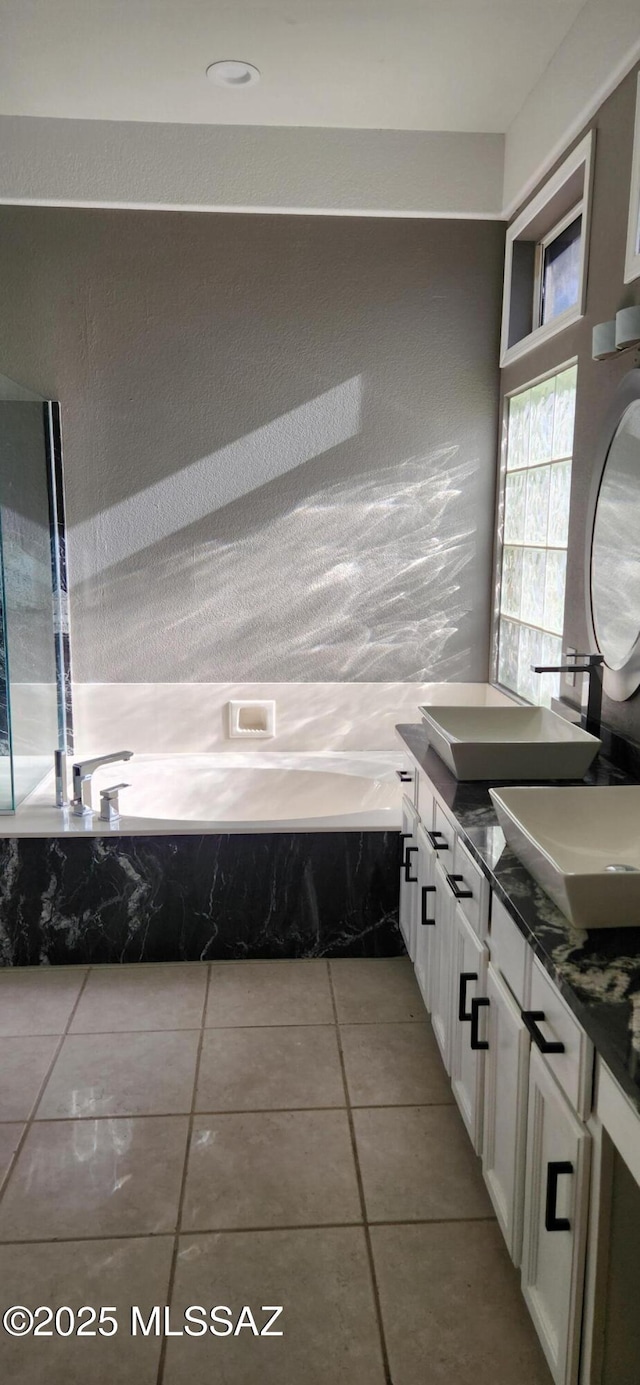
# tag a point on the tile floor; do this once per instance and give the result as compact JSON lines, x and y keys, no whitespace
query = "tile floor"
{"x":246,"y":1133}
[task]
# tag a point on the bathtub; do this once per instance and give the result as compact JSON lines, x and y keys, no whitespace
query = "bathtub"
{"x":235,"y":791}
{"x":246,"y":854}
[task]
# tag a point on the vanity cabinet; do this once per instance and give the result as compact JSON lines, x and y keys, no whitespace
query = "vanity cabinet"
{"x":467,"y":1023}
{"x":556,"y":1189}
{"x":408,"y":875}
{"x":521,"y":1070}
{"x":505,"y":1109}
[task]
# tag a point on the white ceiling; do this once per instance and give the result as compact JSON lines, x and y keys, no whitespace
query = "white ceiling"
{"x":460,"y":65}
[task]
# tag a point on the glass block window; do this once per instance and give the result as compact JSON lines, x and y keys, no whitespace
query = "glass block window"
{"x":533,"y":559}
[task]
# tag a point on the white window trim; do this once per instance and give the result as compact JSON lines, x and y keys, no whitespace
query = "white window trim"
{"x":632,"y":260}
{"x":582,"y":155}
{"x":541,"y":247}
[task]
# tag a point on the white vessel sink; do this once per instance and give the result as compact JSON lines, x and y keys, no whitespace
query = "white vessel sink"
{"x":570,"y":839}
{"x":509,"y":743}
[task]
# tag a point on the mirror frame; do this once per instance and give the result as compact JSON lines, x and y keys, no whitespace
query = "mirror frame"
{"x":619,"y":684}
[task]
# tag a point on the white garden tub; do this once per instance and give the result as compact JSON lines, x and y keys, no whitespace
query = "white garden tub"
{"x":241,"y":791}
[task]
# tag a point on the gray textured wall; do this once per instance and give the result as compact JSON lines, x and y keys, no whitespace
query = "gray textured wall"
{"x":597,"y":380}
{"x":279,"y":437}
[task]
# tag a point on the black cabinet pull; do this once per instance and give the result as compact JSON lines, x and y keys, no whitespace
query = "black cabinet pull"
{"x":438,"y":846}
{"x":426,"y":889}
{"x":465,"y":977}
{"x":410,"y":879}
{"x":554,"y":1171}
{"x":532,"y":1018}
{"x":476,"y":1003}
{"x":452,"y":882}
{"x":404,"y":776}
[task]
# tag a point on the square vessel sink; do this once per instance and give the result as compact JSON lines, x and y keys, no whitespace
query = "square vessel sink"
{"x":509,"y":743}
{"x":582,"y":845}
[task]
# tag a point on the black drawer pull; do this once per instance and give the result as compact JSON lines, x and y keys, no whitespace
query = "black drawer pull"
{"x":404,"y":776}
{"x":531,"y":1019}
{"x":465,"y":977}
{"x":438,"y":846}
{"x":554,"y":1171}
{"x":452,"y":882}
{"x":426,"y":889}
{"x":476,"y":1004}
{"x":410,"y":879}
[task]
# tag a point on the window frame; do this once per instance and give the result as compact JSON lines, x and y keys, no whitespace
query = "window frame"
{"x":498,"y":543}
{"x":632,"y":257}
{"x":580,"y":157}
{"x":541,"y":248}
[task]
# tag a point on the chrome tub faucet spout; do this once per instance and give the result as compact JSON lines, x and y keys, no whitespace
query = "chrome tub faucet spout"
{"x":82,"y":774}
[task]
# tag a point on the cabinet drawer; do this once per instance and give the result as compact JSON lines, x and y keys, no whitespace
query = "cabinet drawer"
{"x":510,"y":954}
{"x":424,"y":800}
{"x":470,"y":887}
{"x":550,"y":1021}
{"x":445,"y":833}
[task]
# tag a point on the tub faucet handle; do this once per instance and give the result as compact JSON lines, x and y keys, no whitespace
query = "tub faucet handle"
{"x":110,"y":802}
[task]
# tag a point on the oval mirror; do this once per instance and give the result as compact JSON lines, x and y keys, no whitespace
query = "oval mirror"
{"x":614,"y":577}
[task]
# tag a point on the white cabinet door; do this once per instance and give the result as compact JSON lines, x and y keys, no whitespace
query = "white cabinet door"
{"x":425,"y":912}
{"x":468,"y":983}
{"x":506,"y":1078}
{"x":408,"y":875}
{"x":440,"y":979}
{"x":555,"y":1220}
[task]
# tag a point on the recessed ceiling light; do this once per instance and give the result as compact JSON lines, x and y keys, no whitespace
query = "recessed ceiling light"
{"x":231,"y":73}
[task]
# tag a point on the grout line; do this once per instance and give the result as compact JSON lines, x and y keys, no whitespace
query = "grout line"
{"x":367,"y":1234}
{"x":241,"y":1231}
{"x":31,"y":1117}
{"x":213,"y":1028}
{"x":224,"y":1111}
{"x":183,"y":1185}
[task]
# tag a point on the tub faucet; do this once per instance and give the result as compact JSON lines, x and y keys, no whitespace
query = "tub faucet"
{"x":592,"y":667}
{"x":82,"y":771}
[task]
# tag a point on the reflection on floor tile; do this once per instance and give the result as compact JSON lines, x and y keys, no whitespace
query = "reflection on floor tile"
{"x":255,"y":993}
{"x":24,"y":1063}
{"x":142,"y":997}
{"x":418,"y":1165}
{"x":376,"y":991}
{"x":38,"y":1000}
{"x":270,"y":1068}
{"x":95,"y":1178}
{"x":321,"y":1280}
{"x":393,"y":1064}
{"x":122,"y":1075}
{"x":452,"y":1309}
{"x":117,"y":1274}
{"x":291,"y":1168}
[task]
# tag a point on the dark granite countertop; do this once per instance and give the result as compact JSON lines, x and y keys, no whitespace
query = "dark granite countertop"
{"x":598,"y":972}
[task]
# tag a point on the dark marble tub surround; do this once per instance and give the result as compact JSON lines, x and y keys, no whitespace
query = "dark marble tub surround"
{"x":206,"y":897}
{"x":597,"y":972}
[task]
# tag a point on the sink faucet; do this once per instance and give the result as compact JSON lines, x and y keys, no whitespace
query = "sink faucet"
{"x":593,"y":669}
{"x":82,"y":772}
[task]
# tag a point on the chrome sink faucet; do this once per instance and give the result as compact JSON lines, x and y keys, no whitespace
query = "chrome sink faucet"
{"x":593,"y":670}
{"x":81,"y":804}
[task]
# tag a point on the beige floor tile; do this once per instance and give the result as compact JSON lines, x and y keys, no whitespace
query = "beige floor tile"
{"x":9,"y":1139}
{"x":417,"y":1164}
{"x":393,"y":1065}
{"x":95,"y":1178}
{"x":452,"y":1309}
{"x":73,"y":1274}
{"x":376,"y":990}
{"x":24,"y":1063}
{"x":291,"y":1168}
{"x":122,"y":1075}
{"x":38,"y":1000}
{"x":270,"y":1068}
{"x":256,"y":993}
{"x":142,"y":997}
{"x":321,"y":1280}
